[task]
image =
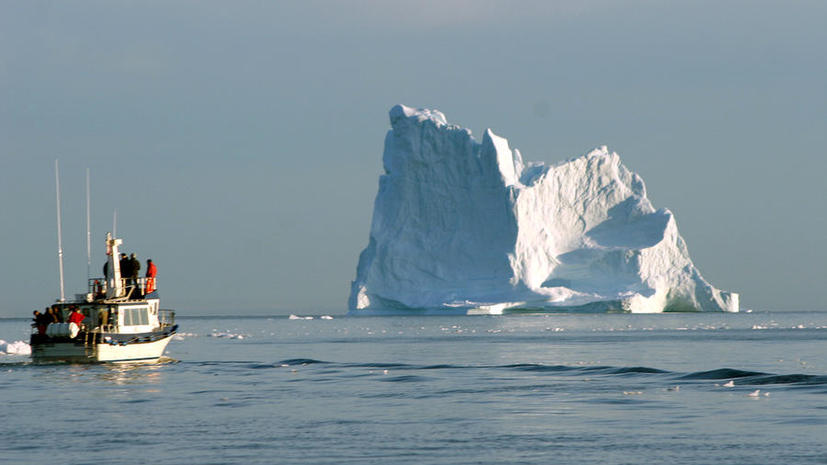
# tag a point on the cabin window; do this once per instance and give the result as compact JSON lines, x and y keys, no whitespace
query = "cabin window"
{"x":135,"y":316}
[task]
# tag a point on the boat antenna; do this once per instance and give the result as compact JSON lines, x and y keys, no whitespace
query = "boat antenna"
{"x":88,"y":230}
{"x":115,"y":223}
{"x":59,"y":232}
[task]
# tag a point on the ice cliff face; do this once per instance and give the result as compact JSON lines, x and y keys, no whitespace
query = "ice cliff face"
{"x":463,"y":226}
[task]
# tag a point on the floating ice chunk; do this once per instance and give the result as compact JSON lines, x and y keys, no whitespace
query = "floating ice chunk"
{"x":227,"y":335}
{"x":326,"y":317}
{"x":297,"y":317}
{"x":15,"y":348}
{"x":754,"y":393}
{"x":730,"y":383}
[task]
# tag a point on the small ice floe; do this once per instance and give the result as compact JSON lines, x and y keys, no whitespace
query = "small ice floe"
{"x":227,"y":335}
{"x":754,"y":393}
{"x":674,"y":388}
{"x":384,"y":372}
{"x":297,"y":317}
{"x":632,"y":393}
{"x":326,"y":317}
{"x":15,"y":348}
{"x":730,"y":383}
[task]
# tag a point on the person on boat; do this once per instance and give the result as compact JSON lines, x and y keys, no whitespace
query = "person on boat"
{"x":100,"y":290}
{"x":103,"y":316}
{"x":126,"y":271}
{"x":76,"y":317}
{"x":125,"y":263}
{"x":151,"y":272}
{"x":58,"y":313}
{"x":40,"y":322}
{"x":134,"y":269}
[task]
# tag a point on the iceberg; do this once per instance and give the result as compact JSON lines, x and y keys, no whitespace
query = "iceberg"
{"x":461,"y":226}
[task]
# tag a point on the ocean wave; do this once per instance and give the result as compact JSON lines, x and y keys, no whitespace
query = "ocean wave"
{"x":743,"y":377}
{"x":798,"y":379}
{"x":301,"y":361}
{"x":721,"y":373}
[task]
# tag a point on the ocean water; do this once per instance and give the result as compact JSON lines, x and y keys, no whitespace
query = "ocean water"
{"x":523,"y":389}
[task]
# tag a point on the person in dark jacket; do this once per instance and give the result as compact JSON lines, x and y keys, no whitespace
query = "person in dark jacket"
{"x":126,"y":269}
{"x":41,"y":322}
{"x":134,"y":268}
{"x":124,"y":264}
{"x":59,"y":313}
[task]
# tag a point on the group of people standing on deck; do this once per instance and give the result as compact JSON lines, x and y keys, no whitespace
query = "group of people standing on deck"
{"x":131,"y":270}
{"x":49,"y":315}
{"x":55,"y":315}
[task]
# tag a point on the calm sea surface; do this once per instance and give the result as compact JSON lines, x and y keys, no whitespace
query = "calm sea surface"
{"x":532,"y":389}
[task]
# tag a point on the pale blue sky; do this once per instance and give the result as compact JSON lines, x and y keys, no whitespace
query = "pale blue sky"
{"x":241,"y":141}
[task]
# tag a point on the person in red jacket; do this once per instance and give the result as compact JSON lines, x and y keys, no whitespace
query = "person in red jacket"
{"x":151,"y":272}
{"x":76,"y":317}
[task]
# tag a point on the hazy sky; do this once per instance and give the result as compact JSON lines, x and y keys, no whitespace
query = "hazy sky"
{"x":241,"y":142}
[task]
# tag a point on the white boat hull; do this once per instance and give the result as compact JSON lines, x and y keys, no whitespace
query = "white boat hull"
{"x":78,"y":352}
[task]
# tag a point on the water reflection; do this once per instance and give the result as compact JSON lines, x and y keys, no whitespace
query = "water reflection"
{"x":99,"y":374}
{"x":134,"y":373}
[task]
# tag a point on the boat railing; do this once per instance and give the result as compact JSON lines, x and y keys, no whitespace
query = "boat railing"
{"x":132,"y":287}
{"x":166,"y":317}
{"x":107,"y":328}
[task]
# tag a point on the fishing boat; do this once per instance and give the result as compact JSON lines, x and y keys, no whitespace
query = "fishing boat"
{"x":117,"y":319}
{"x":122,"y":321}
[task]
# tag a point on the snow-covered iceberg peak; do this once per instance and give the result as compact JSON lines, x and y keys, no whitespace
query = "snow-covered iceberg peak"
{"x":467,"y":226}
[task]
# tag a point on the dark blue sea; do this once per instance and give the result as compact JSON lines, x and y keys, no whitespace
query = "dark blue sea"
{"x":522,"y":389}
